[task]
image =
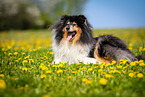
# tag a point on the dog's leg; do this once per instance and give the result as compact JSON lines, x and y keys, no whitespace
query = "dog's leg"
{"x":90,"y":60}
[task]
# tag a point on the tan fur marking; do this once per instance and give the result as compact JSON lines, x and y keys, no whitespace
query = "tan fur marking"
{"x":77,"y":36}
{"x":97,"y":56}
{"x":64,"y":35}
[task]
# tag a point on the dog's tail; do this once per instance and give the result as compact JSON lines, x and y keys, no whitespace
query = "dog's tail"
{"x":140,"y":57}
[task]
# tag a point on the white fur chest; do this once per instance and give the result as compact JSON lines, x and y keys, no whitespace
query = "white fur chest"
{"x":70,"y":53}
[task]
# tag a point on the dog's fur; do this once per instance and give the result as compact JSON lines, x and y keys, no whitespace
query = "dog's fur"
{"x":73,"y":42}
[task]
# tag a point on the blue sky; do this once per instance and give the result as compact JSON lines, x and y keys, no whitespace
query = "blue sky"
{"x":115,"y":13}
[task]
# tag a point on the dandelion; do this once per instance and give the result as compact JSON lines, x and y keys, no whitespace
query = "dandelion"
{"x":111,"y":67}
{"x":103,"y":81}
{"x":140,"y":48}
{"x":100,"y":70}
{"x":23,"y":53}
{"x":2,"y":84}
{"x":95,"y":66}
{"x":125,"y":67}
{"x":130,"y":48}
{"x":24,"y":69}
{"x":15,"y":53}
{"x":78,"y":64}
{"x":90,"y":69}
{"x":141,"y":64}
{"x":46,"y":95}
{"x":132,"y":63}
{"x":10,"y":54}
{"x":140,"y":75}
{"x":119,"y":66}
{"x":113,"y":62}
{"x":43,"y":76}
{"x":47,"y":85}
{"x":131,"y":74}
{"x":121,"y":60}
{"x":25,"y":61}
{"x":69,"y":77}
{"x":59,"y":71}
{"x":1,"y":75}
{"x":48,"y":71}
{"x":74,"y":72}
{"x":108,"y":76}
{"x":51,"y":53}
{"x":26,"y":86}
{"x":84,"y":79}
{"x":42,"y":64}
{"x":31,"y":61}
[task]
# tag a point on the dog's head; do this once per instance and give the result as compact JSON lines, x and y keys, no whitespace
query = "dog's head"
{"x":74,"y":28}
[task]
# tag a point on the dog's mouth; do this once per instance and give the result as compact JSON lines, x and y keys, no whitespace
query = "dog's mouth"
{"x":71,"y":35}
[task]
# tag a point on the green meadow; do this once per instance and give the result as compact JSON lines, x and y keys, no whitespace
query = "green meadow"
{"x":26,"y":68}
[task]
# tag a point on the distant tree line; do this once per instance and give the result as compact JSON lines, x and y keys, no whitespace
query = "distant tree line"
{"x":35,"y":14}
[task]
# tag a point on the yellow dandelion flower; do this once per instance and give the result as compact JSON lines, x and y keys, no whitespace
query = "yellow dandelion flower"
{"x":59,"y":71}
{"x":84,"y":80}
{"x":132,"y":63}
{"x":46,"y":95}
{"x":84,"y":68}
{"x":95,"y":66}
{"x":43,"y":76}
{"x":25,"y":61}
{"x":113,"y":62}
{"x":69,"y":77}
{"x":10,"y":54}
{"x":42,"y":64}
{"x":121,"y":60}
{"x":103,"y":72}
{"x":1,"y":75}
{"x":130,"y":48}
{"x":26,"y":86}
{"x":140,"y":48}
{"x":15,"y":53}
{"x":125,"y":67}
{"x":108,"y":64}
{"x":140,"y":61}
{"x":130,"y":71}
{"x":111,"y":67}
{"x":103,"y":81}
{"x":62,"y":62}
{"x":108,"y":76}
{"x":100,"y":70}
{"x":47,"y":85}
{"x":142,"y":64}
{"x":140,"y":75}
{"x":125,"y":61}
{"x":88,"y":82}
{"x":2,"y":84}
{"x":119,"y":66}
{"x":78,"y":64}
{"x":130,"y":44}
{"x":143,"y":49}
{"x":74,"y":72}
{"x":24,"y":69}
{"x":51,"y":53}
{"x":48,"y":71}
{"x":90,"y":69}
{"x":131,"y":74}
{"x":31,"y":61}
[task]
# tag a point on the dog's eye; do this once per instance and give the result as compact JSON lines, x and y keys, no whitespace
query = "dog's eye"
{"x":74,"y":24}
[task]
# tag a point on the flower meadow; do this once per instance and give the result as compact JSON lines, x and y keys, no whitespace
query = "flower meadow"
{"x":26,"y":68}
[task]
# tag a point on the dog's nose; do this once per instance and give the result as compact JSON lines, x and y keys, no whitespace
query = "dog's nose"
{"x":67,"y":28}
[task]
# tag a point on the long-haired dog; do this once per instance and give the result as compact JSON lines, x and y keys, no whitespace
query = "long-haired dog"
{"x":73,"y":42}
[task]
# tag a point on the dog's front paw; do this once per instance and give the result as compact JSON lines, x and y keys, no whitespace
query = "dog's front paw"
{"x":90,"y":60}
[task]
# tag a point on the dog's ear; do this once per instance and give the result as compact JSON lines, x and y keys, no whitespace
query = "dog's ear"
{"x":64,"y":17}
{"x":82,"y":18}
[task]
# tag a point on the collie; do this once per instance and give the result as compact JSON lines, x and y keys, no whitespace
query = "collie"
{"x":73,"y":43}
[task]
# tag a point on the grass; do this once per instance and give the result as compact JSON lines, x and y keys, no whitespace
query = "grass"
{"x":26,"y":69}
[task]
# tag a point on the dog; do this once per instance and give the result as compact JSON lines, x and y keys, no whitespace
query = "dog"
{"x":73,"y":42}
